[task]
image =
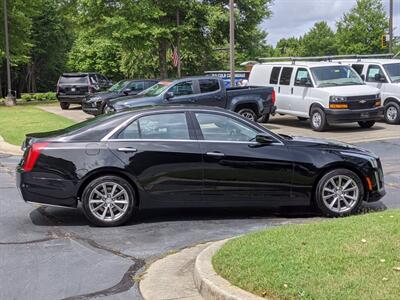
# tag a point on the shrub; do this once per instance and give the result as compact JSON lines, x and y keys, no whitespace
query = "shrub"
{"x":50,"y":96}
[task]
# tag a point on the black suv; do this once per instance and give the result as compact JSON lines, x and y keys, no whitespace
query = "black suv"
{"x":74,"y":87}
{"x":94,"y":104}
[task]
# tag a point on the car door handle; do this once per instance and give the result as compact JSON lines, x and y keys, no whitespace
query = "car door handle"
{"x":215,"y":153}
{"x":291,"y":90}
{"x":127,"y":149}
{"x":192,"y":100}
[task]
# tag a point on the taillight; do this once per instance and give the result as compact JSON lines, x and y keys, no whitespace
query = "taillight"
{"x":273,"y":97}
{"x":33,"y":155}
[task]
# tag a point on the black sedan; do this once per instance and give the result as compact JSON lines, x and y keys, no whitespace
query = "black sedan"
{"x":191,"y":157}
{"x":94,"y":104}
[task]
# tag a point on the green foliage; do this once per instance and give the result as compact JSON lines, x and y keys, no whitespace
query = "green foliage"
{"x":319,"y":41}
{"x":289,"y":47}
{"x":360,"y":30}
{"x":49,"y":96}
{"x":346,"y":258}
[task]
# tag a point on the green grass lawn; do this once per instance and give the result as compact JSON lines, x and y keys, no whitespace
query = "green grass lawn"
{"x":351,"y":258}
{"x":19,"y":120}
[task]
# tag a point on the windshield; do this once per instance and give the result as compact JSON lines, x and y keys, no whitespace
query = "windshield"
{"x":393,"y":70}
{"x":156,"y":89}
{"x":118,"y":86}
{"x":335,"y":76}
{"x":73,"y":80}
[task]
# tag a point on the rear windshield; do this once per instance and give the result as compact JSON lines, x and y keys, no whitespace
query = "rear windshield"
{"x":74,"y":80}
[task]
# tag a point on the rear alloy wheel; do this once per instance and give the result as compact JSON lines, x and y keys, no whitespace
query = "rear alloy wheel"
{"x":248,"y":113}
{"x":366,"y":124}
{"x":318,"y":119}
{"x":108,"y":201}
{"x":339,"y":193}
{"x":392,"y":113}
{"x":264,"y":118}
{"x":64,"y":105}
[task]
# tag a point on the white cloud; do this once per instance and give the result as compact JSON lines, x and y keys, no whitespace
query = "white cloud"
{"x":296,"y":17}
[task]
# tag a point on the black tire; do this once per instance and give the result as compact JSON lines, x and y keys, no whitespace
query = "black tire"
{"x":64,"y":105}
{"x":128,"y":196}
{"x":392,"y":113}
{"x":322,"y":124}
{"x":248,"y":113}
{"x":325,"y":181}
{"x":366,"y":124}
{"x":302,"y":119}
{"x":264,"y":118}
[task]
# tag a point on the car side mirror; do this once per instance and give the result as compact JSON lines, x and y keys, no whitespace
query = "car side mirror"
{"x":264,"y":139}
{"x":379,"y":78}
{"x":169,"y":95}
{"x":127,"y":91}
{"x":305,"y":82}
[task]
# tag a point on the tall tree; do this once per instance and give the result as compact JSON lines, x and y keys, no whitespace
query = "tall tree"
{"x":360,"y":30}
{"x":289,"y":47}
{"x":319,"y":41}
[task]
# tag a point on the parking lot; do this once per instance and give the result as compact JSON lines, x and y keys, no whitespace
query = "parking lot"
{"x":54,"y":253}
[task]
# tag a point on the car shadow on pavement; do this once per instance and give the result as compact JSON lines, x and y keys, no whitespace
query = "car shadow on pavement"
{"x":274,"y":123}
{"x":51,"y":216}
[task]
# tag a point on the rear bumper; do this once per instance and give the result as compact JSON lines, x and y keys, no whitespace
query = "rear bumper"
{"x":48,"y":191}
{"x":76,"y":99}
{"x":348,"y":116}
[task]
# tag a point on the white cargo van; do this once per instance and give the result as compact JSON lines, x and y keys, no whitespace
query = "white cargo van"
{"x":383,"y":74}
{"x":323,"y":92}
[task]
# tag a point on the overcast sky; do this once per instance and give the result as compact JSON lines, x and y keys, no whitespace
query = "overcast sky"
{"x":296,"y":17}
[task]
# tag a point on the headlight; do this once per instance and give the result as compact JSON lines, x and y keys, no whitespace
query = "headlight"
{"x":337,"y":99}
{"x":109,"y":109}
{"x":372,"y":160}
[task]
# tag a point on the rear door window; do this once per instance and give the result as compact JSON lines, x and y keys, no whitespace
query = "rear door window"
{"x":208,"y":85}
{"x":158,"y":127}
{"x":275,"y":75}
{"x":286,"y":76}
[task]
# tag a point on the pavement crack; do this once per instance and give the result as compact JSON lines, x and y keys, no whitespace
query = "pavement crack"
{"x":128,"y":279}
{"x":50,"y":238}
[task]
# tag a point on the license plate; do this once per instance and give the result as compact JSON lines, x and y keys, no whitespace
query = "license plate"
{"x":73,"y":89}
{"x":364,"y":115}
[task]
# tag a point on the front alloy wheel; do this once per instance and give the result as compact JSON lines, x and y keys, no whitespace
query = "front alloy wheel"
{"x":339,"y":193}
{"x":392,"y":113}
{"x":108,"y":201}
{"x":318,"y":119}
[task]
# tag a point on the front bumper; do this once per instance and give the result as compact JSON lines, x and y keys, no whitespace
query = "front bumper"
{"x":348,"y":116}
{"x":88,"y":108}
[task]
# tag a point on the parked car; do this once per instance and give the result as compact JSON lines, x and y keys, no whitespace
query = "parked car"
{"x":74,"y":87}
{"x":323,"y":92}
{"x":254,"y":103}
{"x":94,"y":104}
{"x":383,"y":74}
{"x":191,"y":156}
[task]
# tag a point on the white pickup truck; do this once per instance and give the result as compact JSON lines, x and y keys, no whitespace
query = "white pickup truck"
{"x":323,"y":92}
{"x":383,"y":74}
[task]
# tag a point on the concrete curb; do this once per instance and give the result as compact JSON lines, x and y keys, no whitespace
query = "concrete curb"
{"x":7,"y":148}
{"x":211,"y":286}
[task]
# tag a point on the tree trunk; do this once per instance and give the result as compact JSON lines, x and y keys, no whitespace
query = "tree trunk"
{"x":162,"y":58}
{"x":1,"y":88}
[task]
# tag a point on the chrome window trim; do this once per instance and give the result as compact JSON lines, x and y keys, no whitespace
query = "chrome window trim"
{"x":190,"y":141}
{"x":137,"y":116}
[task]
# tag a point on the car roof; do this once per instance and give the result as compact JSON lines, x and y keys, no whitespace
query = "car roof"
{"x":79,"y":74}
{"x":302,"y":63}
{"x":382,"y":61}
{"x":163,"y":108}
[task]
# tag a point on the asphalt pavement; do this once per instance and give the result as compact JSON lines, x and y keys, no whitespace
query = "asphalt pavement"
{"x":54,"y":253}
